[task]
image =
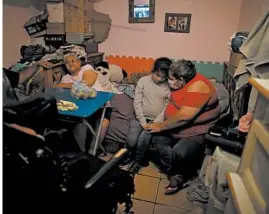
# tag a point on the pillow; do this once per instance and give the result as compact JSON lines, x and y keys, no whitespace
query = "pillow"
{"x":128,"y":89}
{"x":115,"y":72}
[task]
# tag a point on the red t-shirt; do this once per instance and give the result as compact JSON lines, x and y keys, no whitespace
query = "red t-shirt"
{"x":182,"y":97}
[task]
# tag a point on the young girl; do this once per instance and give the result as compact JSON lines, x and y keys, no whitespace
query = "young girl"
{"x":151,"y":97}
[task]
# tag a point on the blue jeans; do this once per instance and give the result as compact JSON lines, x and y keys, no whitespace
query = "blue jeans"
{"x":178,"y":156}
{"x":138,"y":141}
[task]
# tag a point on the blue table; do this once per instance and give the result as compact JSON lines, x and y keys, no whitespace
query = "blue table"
{"x":86,"y":108}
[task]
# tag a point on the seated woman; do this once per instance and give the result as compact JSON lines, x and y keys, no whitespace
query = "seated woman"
{"x":86,"y":73}
{"x":192,"y":110}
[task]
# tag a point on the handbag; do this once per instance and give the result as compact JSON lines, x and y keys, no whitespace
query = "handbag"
{"x":80,"y":90}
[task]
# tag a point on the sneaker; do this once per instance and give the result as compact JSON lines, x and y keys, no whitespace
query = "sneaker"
{"x":177,"y":183}
{"x":144,"y":163}
{"x":126,"y":162}
{"x":134,"y":168}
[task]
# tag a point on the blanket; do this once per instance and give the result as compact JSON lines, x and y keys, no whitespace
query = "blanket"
{"x":122,"y":113}
{"x":256,"y":51}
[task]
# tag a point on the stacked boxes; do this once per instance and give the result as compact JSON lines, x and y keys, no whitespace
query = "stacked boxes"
{"x":69,"y":18}
{"x":77,"y":15}
{"x":88,"y":16}
{"x":55,"y":34}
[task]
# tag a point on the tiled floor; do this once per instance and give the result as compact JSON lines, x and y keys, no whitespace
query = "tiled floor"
{"x":149,"y":197}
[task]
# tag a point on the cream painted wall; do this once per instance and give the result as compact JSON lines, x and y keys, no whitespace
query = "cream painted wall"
{"x":213,"y":22}
{"x":14,"y":35}
{"x":251,"y":12}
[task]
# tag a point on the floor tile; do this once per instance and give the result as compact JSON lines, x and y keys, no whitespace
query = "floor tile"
{"x":162,"y":209}
{"x":176,"y":200}
{"x":150,"y":170}
{"x":163,"y":176}
{"x":197,"y":210}
{"x":139,"y":207}
{"x":146,"y":188}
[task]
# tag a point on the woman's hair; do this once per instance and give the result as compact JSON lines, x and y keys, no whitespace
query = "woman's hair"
{"x":162,"y":64}
{"x":183,"y":68}
{"x":82,"y":58}
{"x":71,"y":54}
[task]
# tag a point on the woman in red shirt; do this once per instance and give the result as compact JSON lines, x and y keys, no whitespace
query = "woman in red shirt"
{"x":192,"y":110}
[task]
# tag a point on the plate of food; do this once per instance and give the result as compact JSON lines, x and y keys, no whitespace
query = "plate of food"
{"x":63,"y":105}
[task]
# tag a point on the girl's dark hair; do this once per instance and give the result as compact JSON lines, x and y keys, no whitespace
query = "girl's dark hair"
{"x":183,"y":68}
{"x":162,"y":64}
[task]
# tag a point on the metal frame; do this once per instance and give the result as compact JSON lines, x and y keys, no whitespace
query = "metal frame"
{"x":177,"y":16}
{"x":150,"y":19}
{"x":96,"y":134}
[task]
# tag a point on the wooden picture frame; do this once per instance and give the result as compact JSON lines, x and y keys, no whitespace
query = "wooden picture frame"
{"x":134,"y":19}
{"x":177,"y":22}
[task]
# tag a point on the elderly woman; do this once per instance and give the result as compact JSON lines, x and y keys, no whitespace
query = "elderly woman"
{"x":179,"y":140}
{"x":78,"y":73}
{"x":86,"y":73}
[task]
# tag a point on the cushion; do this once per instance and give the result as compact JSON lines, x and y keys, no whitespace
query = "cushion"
{"x":134,"y":77}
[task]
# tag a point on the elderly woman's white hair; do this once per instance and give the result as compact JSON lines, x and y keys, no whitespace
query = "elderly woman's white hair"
{"x":81,"y":55}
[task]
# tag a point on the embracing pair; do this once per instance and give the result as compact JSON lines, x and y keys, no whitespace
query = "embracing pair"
{"x":175,"y":106}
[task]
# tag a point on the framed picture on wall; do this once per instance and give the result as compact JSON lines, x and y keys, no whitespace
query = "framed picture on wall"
{"x":177,"y":22}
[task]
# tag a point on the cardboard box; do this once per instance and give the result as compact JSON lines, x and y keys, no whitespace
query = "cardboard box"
{"x":90,"y":47}
{"x":88,"y":10}
{"x":235,"y":59}
{"x":57,"y":40}
{"x":73,"y":11}
{"x":55,"y":29}
{"x":56,"y":12}
{"x":88,"y":6}
{"x":87,"y":26}
{"x":74,"y":25}
{"x":76,"y":3}
{"x":75,"y":38}
{"x":88,"y":15}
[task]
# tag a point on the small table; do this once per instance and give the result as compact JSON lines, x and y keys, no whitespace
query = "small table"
{"x":86,"y":108}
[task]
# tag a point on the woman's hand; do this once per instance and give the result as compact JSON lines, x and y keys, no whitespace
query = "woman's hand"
{"x":245,"y":122}
{"x":146,"y":126}
{"x":44,"y":64}
{"x":154,"y":127}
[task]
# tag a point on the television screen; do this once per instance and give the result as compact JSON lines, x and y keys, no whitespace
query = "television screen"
{"x":141,"y":11}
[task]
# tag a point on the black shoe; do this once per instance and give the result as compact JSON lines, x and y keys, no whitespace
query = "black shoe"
{"x":134,"y":168}
{"x":144,"y":163}
{"x":126,"y":162}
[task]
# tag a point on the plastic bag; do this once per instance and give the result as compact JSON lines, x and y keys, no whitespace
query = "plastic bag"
{"x":80,"y":90}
